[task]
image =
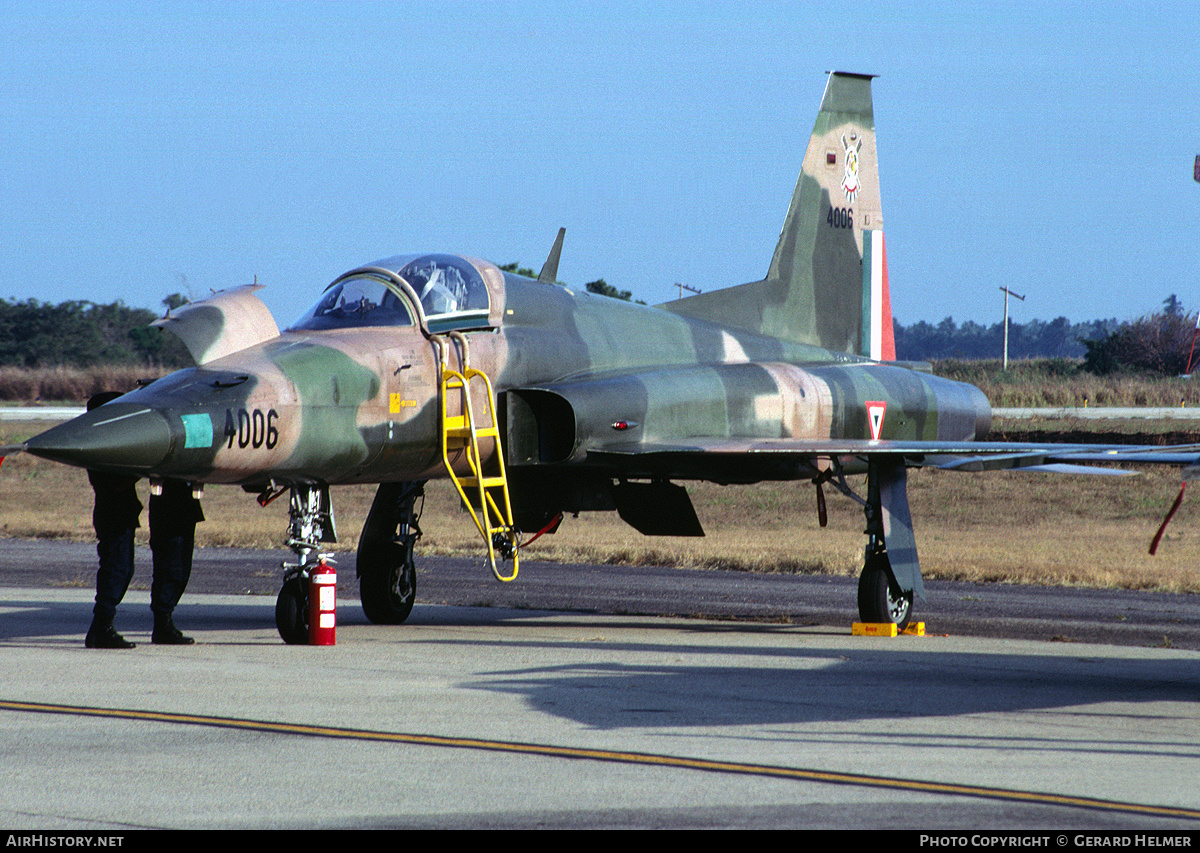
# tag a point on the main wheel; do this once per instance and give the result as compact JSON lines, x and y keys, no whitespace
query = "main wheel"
{"x":876,"y":601}
{"x":291,"y":611}
{"x":387,"y":583}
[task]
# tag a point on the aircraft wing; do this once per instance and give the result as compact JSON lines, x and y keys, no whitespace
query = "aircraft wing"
{"x":948,"y":455}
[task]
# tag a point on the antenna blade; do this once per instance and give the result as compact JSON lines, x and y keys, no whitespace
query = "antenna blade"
{"x":549,"y":273}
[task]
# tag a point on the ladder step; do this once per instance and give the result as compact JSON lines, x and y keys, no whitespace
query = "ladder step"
{"x":464,"y":433}
{"x":488,"y":482}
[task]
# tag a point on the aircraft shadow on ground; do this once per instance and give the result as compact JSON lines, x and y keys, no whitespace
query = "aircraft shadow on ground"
{"x":822,"y":686}
{"x":788,"y":685}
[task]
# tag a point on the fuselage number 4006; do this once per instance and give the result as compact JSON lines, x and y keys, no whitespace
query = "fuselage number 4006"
{"x":251,"y":428}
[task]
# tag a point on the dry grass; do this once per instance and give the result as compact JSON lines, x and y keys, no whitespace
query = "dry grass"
{"x":69,"y":385}
{"x":1015,"y":527}
{"x":1061,"y":383}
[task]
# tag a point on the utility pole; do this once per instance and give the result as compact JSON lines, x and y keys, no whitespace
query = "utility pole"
{"x":1196,"y":331}
{"x":1008,"y":293}
{"x":683,"y":287}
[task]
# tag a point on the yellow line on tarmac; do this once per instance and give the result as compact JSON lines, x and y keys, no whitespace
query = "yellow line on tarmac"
{"x":617,"y":756}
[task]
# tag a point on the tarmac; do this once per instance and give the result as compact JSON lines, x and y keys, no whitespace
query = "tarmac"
{"x":495,"y":717}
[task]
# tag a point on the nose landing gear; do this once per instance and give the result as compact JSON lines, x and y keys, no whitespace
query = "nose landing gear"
{"x":310,"y":515}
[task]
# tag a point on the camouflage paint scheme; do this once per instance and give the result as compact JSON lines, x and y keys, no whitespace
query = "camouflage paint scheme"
{"x":601,"y":402}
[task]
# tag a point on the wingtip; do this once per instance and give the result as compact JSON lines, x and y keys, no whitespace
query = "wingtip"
{"x":11,"y":450}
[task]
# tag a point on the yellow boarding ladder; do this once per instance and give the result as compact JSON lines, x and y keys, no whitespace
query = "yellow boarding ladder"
{"x":490,"y":509}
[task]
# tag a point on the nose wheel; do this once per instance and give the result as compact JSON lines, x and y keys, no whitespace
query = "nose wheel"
{"x":291,"y":610}
{"x":310,"y":522}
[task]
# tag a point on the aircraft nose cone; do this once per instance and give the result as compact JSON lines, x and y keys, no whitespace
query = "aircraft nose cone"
{"x":118,"y":435}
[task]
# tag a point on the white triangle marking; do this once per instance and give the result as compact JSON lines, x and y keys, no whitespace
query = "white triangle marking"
{"x":875,"y":412}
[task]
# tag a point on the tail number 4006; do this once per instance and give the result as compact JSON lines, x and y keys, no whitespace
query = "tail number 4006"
{"x":251,"y":428}
{"x":840,"y":217}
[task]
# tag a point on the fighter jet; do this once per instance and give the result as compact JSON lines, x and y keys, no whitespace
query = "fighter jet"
{"x":538,"y":400}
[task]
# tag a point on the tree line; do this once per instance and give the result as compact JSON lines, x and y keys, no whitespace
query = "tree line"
{"x":1161,"y":343}
{"x":82,"y":334}
{"x":1059,"y":338}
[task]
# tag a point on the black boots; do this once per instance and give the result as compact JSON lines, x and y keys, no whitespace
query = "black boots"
{"x":105,"y":636}
{"x":165,"y":633}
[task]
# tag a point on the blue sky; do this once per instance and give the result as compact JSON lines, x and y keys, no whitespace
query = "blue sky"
{"x":153,"y":148}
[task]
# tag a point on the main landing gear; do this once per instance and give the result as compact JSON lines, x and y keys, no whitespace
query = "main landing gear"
{"x":877,"y":602}
{"x":891,"y":573}
{"x":387,"y":575}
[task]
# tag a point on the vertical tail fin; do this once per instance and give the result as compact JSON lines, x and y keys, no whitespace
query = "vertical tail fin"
{"x":827,"y":283}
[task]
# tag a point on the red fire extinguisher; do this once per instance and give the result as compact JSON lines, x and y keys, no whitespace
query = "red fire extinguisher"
{"x":322,"y":606}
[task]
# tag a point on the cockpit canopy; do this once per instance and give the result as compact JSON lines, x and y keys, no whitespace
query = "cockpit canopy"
{"x":451,"y":291}
{"x":446,"y":285}
{"x":361,"y":300}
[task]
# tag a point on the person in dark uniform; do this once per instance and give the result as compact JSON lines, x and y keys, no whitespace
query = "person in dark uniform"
{"x":174,"y":513}
{"x":115,"y":517}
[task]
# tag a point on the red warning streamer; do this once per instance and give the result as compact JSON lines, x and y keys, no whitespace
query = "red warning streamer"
{"x":1163,"y":528}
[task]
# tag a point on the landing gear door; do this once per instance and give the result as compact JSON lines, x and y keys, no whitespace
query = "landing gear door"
{"x":897,"y":527}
